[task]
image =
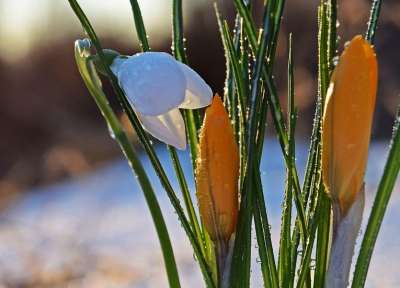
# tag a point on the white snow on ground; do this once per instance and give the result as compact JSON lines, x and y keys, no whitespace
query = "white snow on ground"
{"x":97,"y":232}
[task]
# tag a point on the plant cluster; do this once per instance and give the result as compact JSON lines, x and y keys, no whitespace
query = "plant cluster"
{"x":321,"y":217}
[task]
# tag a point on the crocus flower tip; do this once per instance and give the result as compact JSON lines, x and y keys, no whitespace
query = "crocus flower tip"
{"x":347,"y":121}
{"x":217,"y":173}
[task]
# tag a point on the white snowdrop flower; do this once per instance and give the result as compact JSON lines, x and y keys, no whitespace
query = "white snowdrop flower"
{"x":157,"y":86}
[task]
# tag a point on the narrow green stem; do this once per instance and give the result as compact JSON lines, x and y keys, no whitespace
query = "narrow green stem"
{"x":378,"y":211}
{"x":240,"y":269}
{"x":186,"y":197}
{"x":177,"y":24}
{"x":139,"y":24}
{"x":373,"y":20}
{"x":93,"y":84}
{"x":179,"y":52}
{"x":238,"y":77}
{"x":326,"y":52}
{"x":233,"y":59}
{"x":190,"y":122}
{"x":324,"y":229}
{"x":286,"y":275}
{"x":261,"y":245}
{"x":266,"y":251}
{"x":304,"y":270}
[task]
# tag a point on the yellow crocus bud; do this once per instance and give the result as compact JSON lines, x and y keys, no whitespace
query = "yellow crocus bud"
{"x":217,"y":173}
{"x":347,"y":120}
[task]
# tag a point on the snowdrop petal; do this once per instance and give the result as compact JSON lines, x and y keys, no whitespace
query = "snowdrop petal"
{"x":198,"y":94}
{"x":168,"y":127}
{"x":153,"y":82}
{"x":117,"y":64}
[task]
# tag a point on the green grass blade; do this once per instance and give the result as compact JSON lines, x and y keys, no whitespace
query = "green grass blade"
{"x":179,"y":52}
{"x":326,"y":53}
{"x":261,"y":230}
{"x":241,"y":258}
{"x":277,"y":7}
{"x":187,"y":198}
{"x":93,"y":84}
{"x":373,"y":20}
{"x":286,"y":274}
{"x":323,"y":238}
{"x":230,"y":89}
{"x":180,"y":55}
{"x":262,"y":126}
{"x":276,"y":112}
{"x":315,"y":143}
{"x":192,"y":128}
{"x":248,"y":23}
{"x":241,"y":88}
{"x":233,"y":59}
{"x":332,"y":32}
{"x":381,"y":201}
{"x":139,"y":24}
{"x":304,"y":270}
{"x":251,"y":34}
{"x":323,"y":51}
{"x":312,"y":182}
{"x":252,"y":162}
{"x":146,"y":143}
{"x":245,"y":61}
{"x":255,"y":97}
{"x":238,"y":73}
{"x":177,"y":24}
{"x":231,"y":92}
{"x":284,"y":142}
{"x":262,"y":226}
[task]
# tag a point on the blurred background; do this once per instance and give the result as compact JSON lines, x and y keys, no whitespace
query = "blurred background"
{"x":53,"y":133}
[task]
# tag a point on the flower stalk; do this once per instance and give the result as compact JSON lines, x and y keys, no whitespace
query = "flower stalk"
{"x":92,"y":81}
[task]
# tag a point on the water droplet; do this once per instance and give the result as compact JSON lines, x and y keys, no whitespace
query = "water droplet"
{"x":111,"y":131}
{"x":335,"y":60}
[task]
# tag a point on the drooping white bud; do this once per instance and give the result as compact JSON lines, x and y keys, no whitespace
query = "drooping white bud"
{"x":156,"y":85}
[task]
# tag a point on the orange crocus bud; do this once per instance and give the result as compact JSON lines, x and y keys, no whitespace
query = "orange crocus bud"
{"x":217,"y":173}
{"x":347,"y":120}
